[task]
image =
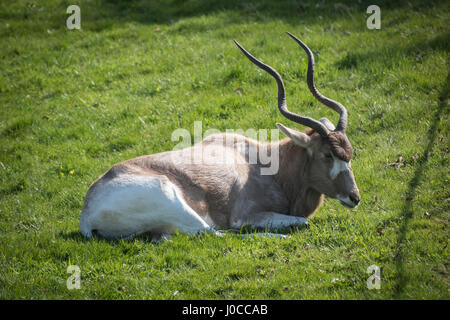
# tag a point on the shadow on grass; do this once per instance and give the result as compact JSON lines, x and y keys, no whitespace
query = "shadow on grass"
{"x":411,"y":192}
{"x":73,"y":235}
{"x":168,"y":11}
{"x":98,"y":15}
{"x":78,"y":237}
{"x":244,"y":232}
{"x":417,"y":48}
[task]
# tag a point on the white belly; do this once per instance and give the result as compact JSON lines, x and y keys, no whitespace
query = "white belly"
{"x":133,"y":204}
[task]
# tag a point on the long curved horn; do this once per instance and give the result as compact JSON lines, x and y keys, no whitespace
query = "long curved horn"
{"x":336,"y":106}
{"x":306,"y":121}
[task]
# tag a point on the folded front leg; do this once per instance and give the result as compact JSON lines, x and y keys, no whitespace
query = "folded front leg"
{"x":270,"y":220}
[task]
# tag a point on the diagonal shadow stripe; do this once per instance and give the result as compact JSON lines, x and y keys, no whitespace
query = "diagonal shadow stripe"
{"x":411,"y":192}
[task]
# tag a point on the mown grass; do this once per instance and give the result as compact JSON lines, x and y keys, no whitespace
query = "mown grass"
{"x":73,"y":103}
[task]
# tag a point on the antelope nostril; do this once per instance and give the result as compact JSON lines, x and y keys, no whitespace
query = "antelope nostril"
{"x":355,"y":199}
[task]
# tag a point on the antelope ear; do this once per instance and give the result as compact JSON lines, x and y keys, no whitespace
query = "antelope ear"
{"x":300,"y":138}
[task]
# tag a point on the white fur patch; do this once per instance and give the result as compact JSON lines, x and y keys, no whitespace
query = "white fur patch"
{"x":338,"y":167}
{"x":129,"y":205}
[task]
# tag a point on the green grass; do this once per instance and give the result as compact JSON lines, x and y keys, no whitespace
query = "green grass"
{"x":73,"y":103}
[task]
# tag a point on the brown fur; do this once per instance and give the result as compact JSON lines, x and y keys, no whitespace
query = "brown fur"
{"x":340,"y":146}
{"x":238,"y":192}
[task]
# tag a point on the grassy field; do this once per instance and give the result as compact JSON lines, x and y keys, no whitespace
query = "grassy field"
{"x":73,"y":103}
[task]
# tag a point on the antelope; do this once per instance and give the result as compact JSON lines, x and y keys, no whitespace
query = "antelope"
{"x":165,"y":192}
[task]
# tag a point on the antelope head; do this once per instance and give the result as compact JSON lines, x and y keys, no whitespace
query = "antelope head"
{"x":328,"y":149}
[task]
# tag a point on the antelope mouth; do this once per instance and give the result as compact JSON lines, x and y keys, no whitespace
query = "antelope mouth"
{"x":345,"y":204}
{"x":348,"y":202}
